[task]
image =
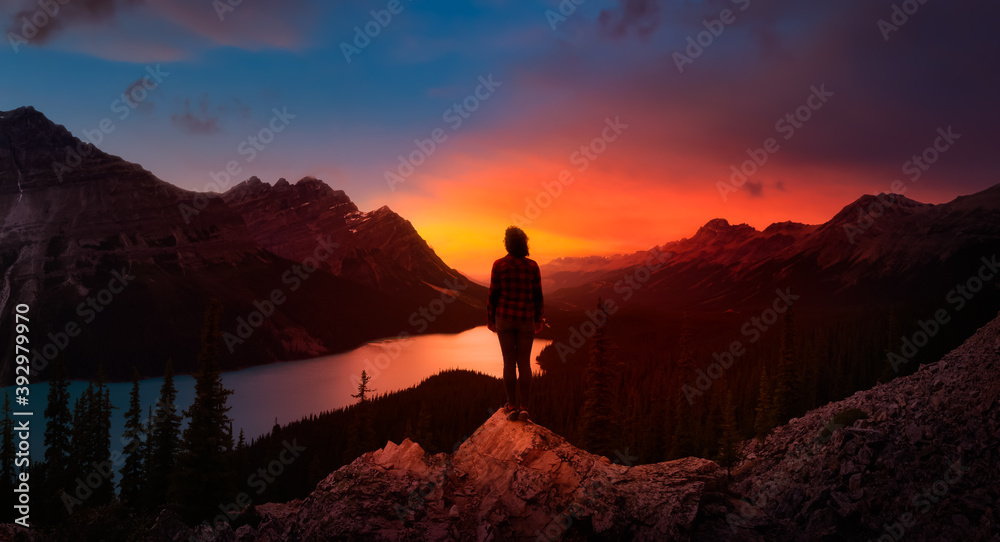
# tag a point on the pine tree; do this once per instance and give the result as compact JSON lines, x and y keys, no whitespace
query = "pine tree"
{"x":786,"y":387}
{"x":363,"y":389}
{"x":424,"y":434}
{"x":163,"y":442}
{"x":729,"y":441}
{"x":203,"y":475}
{"x":685,"y":358}
{"x":892,"y":345}
{"x":764,"y":414}
{"x":597,"y":418}
{"x":90,"y":451}
{"x":82,"y":432}
{"x":134,"y":471}
{"x":58,"y":429}
{"x":100,"y":459}
{"x":361,"y":437}
{"x":651,"y":450}
{"x":681,"y":430}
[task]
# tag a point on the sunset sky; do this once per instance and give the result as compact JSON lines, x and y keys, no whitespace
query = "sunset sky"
{"x":879,"y":91}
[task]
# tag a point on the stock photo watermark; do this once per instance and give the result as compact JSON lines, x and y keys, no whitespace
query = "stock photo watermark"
{"x":32,"y":24}
{"x":786,"y":125}
{"x":914,"y":168}
{"x":420,"y":319}
{"x":249,"y":147}
{"x":582,"y":159}
{"x":87,"y":310}
{"x":364,"y":34}
{"x":922,"y":503}
{"x":957,"y":298}
{"x":566,"y":8}
{"x":293,"y":278}
{"x":697,"y":44}
{"x":597,"y":318}
{"x":258,"y":480}
{"x":900,"y":15}
{"x":455,"y":116}
{"x":593,"y":493}
{"x":136,"y":94}
{"x":753,"y":329}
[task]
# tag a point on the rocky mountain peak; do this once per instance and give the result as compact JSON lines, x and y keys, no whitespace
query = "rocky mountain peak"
{"x":788,"y":228}
{"x":719,"y":230}
{"x":876,"y":206}
{"x":38,"y":153}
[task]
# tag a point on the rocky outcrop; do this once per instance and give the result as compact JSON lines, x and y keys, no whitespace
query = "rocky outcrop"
{"x":508,"y":481}
{"x":924,"y":463}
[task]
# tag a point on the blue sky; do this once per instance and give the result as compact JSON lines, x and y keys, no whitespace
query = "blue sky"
{"x":688,"y":125}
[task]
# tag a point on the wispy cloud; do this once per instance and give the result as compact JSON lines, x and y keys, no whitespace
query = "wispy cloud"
{"x":68,"y":15}
{"x":198,"y":121}
{"x":641,"y":15}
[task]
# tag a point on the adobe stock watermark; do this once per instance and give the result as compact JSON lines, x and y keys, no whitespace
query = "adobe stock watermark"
{"x":32,"y":25}
{"x":420,"y":319}
{"x":787,"y":125}
{"x":592,"y":494}
{"x":258,"y":480}
{"x":900,"y":15}
{"x":104,"y":471}
{"x":136,"y":94}
{"x":582,"y":158}
{"x":455,"y":116}
{"x":922,"y":503}
{"x":222,"y":7}
{"x":753,"y":329}
{"x":249,"y":147}
{"x":597,"y":318}
{"x":914,"y":168}
{"x":566,"y":9}
{"x":418,"y":498}
{"x":87,"y":310}
{"x":795,"y":459}
{"x":958,"y":297}
{"x":364,"y":34}
{"x":264,"y":308}
{"x":714,"y":28}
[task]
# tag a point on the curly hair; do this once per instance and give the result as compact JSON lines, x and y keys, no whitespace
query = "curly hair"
{"x":516,"y":242}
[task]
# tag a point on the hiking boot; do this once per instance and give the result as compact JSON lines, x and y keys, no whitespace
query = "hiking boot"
{"x":510,"y":411}
{"x":523,"y":414}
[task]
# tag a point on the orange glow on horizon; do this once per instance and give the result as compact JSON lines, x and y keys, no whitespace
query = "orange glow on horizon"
{"x":464,"y":222}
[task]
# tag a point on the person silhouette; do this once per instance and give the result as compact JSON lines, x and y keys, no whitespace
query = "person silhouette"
{"x":514,"y":313}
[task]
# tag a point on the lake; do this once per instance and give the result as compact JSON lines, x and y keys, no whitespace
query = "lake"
{"x":289,"y":391}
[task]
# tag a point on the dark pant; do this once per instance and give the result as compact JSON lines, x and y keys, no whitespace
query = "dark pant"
{"x":515,"y":345}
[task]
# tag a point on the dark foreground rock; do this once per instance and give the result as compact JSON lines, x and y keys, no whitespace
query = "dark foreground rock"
{"x":508,"y":481}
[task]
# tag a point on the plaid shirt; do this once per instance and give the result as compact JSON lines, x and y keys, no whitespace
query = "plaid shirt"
{"x":515,"y":290}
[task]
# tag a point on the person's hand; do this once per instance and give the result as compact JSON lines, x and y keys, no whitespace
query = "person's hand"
{"x":538,"y":327}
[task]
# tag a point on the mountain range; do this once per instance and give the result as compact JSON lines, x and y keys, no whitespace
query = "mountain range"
{"x":881,"y":249}
{"x":117,"y":271}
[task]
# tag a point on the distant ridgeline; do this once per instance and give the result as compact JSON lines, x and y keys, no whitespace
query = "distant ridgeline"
{"x":119,"y":267}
